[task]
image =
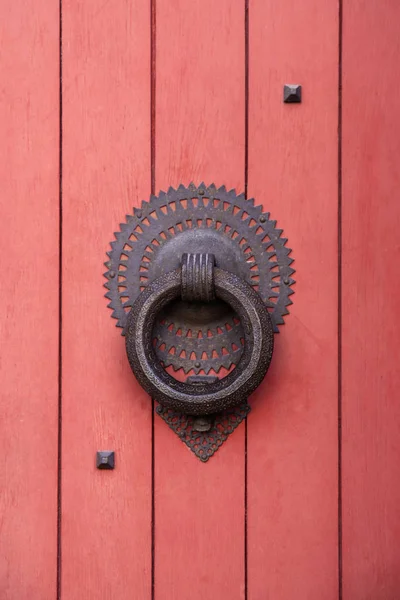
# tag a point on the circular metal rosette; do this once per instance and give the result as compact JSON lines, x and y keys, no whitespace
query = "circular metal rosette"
{"x":199,"y":219}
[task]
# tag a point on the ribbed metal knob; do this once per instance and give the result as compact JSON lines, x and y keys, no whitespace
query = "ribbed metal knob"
{"x":198,"y":277}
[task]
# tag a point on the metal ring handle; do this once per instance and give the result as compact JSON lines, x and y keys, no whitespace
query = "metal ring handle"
{"x":208,"y":398}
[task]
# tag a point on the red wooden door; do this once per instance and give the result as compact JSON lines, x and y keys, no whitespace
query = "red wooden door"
{"x":102,"y":104}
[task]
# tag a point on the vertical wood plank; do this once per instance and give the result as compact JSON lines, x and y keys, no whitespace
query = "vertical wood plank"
{"x":199,"y":508}
{"x":292,"y":430}
{"x":106,"y":515}
{"x":371,"y":297}
{"x":29,"y":209}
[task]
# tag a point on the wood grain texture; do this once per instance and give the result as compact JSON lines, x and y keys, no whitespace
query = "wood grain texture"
{"x":199,"y":508}
{"x":29,"y":208}
{"x":106,"y":515}
{"x":292,"y":430}
{"x":371,"y":299}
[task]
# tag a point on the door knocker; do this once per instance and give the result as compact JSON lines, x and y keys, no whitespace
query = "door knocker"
{"x":199,"y":279}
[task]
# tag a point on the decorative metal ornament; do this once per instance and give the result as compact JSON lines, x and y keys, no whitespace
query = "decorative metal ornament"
{"x":205,"y":443}
{"x":195,"y":336}
{"x":199,"y":279}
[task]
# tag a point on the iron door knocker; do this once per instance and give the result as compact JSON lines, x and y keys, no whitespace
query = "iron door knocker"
{"x":199,"y":279}
{"x":199,"y":275}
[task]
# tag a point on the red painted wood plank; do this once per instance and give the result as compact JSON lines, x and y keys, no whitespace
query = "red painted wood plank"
{"x":106,"y":516}
{"x":199,"y":508}
{"x":292,"y":431}
{"x":371,"y":296}
{"x":29,"y":208}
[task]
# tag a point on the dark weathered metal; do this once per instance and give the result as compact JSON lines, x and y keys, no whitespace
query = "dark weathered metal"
{"x":183,"y":345}
{"x":205,"y":422}
{"x":197,"y":277}
{"x":200,"y":398}
{"x":202,"y":424}
{"x":291,"y":93}
{"x":199,"y":220}
{"x":105,"y":459}
{"x":204,"y":443}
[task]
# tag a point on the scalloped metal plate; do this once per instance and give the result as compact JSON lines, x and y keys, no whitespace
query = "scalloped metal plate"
{"x":186,"y":341}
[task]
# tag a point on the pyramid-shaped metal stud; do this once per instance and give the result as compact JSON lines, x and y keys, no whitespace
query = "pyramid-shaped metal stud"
{"x":291,"y":93}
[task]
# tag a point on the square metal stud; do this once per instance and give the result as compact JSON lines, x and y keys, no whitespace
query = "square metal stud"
{"x":105,"y":459}
{"x":291,"y":93}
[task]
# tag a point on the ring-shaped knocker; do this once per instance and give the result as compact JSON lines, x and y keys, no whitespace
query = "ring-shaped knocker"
{"x":200,"y":398}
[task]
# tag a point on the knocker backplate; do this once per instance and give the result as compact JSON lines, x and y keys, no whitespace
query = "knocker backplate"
{"x":192,"y":336}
